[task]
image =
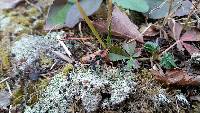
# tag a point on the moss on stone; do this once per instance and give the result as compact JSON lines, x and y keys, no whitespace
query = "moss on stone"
{"x":4,"y":60}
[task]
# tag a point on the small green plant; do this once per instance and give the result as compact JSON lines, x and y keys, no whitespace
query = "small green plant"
{"x":152,"y":48}
{"x":167,"y":60}
{"x":127,"y":54}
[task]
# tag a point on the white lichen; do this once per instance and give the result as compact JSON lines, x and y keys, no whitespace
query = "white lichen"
{"x":181,"y":99}
{"x":29,"y":48}
{"x":89,"y":87}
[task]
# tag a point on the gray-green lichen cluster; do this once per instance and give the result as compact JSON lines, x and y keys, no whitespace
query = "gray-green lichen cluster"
{"x":94,"y":90}
{"x":195,"y":59}
{"x":29,"y":48}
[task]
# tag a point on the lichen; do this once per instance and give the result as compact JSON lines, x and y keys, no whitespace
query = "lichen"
{"x":88,"y":86}
{"x":29,"y":48}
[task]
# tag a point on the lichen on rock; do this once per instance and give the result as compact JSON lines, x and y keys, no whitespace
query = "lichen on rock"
{"x":29,"y":48}
{"x":94,"y":89}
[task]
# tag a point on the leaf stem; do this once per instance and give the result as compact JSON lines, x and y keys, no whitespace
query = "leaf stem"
{"x":88,"y":21}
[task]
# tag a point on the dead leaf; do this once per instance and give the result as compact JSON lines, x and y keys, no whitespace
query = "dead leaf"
{"x":7,"y":4}
{"x":191,"y":35}
{"x":92,"y":57}
{"x":150,"y":31}
{"x":176,"y":29}
{"x":176,"y":77}
{"x":188,"y":36}
{"x":120,"y":26}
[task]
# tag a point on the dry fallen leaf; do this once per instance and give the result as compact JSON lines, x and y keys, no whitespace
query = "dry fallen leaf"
{"x":188,"y":36}
{"x":150,"y":31}
{"x":176,"y":77}
{"x":121,"y":26}
{"x":92,"y":57}
{"x":7,"y":4}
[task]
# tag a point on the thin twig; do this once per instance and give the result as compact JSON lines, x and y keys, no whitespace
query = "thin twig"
{"x":80,"y":29}
{"x":146,"y":28}
{"x":4,"y":80}
{"x":64,"y":46}
{"x":8,"y":86}
{"x":166,"y":50}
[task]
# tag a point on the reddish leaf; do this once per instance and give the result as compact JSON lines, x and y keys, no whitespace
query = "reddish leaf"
{"x":92,"y":57}
{"x":189,"y":36}
{"x":177,"y":77}
{"x":176,"y":29}
{"x":121,"y":26}
{"x":190,"y":48}
{"x":7,"y":4}
{"x":192,"y":35}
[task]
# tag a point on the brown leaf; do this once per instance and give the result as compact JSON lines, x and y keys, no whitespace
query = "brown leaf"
{"x":7,"y":4}
{"x":177,"y":77}
{"x":192,"y":35}
{"x":92,"y":57}
{"x":190,"y":48}
{"x":151,"y":31}
{"x":176,"y":29}
{"x":188,"y":36}
{"x":121,"y":26}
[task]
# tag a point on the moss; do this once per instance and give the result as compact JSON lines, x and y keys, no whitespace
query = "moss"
{"x":17,"y":97}
{"x":45,"y":61}
{"x":38,"y":24}
{"x":4,"y":60}
{"x":148,"y":83}
{"x":22,"y":20}
{"x":2,"y":86}
{"x":34,"y":90}
{"x":67,"y":69}
{"x":33,"y":12}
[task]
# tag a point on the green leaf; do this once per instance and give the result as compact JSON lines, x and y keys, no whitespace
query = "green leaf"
{"x":167,"y":61}
{"x":160,"y":8}
{"x":151,"y":47}
{"x":132,"y":63}
{"x":64,"y":13}
{"x":130,"y":48}
{"x":57,"y":13}
{"x":136,"y":5}
{"x":117,"y":57}
{"x":118,"y":50}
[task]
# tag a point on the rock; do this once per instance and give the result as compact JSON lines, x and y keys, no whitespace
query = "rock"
{"x":4,"y":99}
{"x":94,"y":89}
{"x":29,"y":48}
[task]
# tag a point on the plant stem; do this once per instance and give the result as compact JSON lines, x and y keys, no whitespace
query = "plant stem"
{"x":88,"y":21}
{"x":166,"y":50}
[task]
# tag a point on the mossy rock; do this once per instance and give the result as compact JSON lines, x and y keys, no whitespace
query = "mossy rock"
{"x":4,"y":60}
{"x":34,"y":90}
